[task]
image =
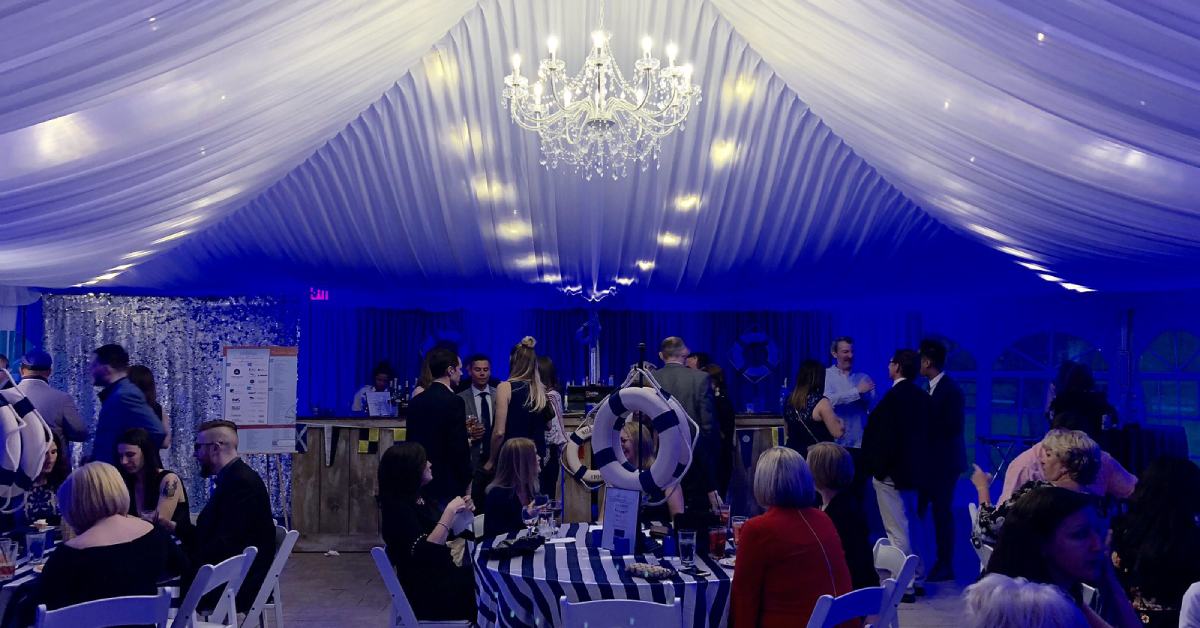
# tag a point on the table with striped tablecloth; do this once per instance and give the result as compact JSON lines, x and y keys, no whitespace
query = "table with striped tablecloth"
{"x":524,"y":591}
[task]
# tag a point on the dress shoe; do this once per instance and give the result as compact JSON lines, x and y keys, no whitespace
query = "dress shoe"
{"x":919,"y":589}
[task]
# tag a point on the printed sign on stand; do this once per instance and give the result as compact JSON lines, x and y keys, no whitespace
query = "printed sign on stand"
{"x":260,"y":396}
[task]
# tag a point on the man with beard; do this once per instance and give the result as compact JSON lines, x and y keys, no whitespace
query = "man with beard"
{"x":238,"y":514}
{"x":123,"y":406}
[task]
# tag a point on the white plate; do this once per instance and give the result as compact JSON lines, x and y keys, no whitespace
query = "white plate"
{"x":727,"y":562}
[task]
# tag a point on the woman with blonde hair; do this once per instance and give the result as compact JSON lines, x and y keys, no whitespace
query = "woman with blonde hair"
{"x":1070,"y":460}
{"x":113,"y":554}
{"x":513,"y":488}
{"x":788,"y":556}
{"x":522,"y":408}
{"x":639,"y":446}
{"x":833,"y":473}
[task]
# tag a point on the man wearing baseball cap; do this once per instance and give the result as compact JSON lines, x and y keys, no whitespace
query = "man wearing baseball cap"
{"x":56,"y":407}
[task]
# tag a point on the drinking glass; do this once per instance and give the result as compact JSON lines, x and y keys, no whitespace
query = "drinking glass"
{"x":724,"y":512}
{"x":687,"y":548}
{"x":8,"y":558}
{"x":716,"y":542}
{"x":545,"y":524}
{"x":36,"y":542}
{"x":738,"y":522}
{"x":556,"y":508}
{"x":474,"y":426}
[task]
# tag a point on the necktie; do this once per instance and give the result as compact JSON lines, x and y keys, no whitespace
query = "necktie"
{"x":485,"y":413}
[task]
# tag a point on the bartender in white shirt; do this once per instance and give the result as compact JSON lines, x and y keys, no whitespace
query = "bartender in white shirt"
{"x":381,"y":376}
{"x":850,"y":393}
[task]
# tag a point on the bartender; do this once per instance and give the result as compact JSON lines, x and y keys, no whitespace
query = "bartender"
{"x":381,"y":377}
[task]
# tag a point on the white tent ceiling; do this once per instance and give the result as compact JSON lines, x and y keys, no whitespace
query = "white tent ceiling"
{"x":964,"y":132}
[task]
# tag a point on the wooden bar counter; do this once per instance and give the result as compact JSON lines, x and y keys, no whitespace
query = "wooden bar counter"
{"x":335,"y":481}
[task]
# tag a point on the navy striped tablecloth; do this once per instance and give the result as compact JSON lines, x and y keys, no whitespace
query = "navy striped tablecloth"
{"x":524,"y":591}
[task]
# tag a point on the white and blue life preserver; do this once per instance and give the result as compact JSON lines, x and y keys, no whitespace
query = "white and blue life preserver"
{"x":669,"y":421}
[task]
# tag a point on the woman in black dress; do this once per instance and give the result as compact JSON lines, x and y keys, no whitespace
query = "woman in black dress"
{"x":112,"y":554}
{"x":809,"y":415}
{"x":522,"y":407}
{"x":143,"y":378}
{"x":151,"y":487}
{"x":41,"y":501}
{"x":416,"y":533}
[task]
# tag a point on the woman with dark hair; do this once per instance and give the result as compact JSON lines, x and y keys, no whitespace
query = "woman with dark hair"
{"x":41,"y":501}
{"x":809,"y":415}
{"x":143,"y":378}
{"x":416,"y":534}
{"x":726,"y":418}
{"x":1077,"y":404}
{"x":1053,"y":535}
{"x":1156,"y":545}
{"x":152,"y":489}
{"x":556,"y":430}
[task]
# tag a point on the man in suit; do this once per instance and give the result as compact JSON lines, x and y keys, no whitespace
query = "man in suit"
{"x":947,"y":453}
{"x":437,"y":420}
{"x":692,"y":389}
{"x":894,"y":447}
{"x":123,"y":406}
{"x":55,"y":406}
{"x":479,"y":398}
{"x":237,"y":515}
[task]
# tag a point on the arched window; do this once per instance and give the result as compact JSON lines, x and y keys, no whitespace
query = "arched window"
{"x":962,"y":366}
{"x":1022,"y":375}
{"x":1169,"y":370}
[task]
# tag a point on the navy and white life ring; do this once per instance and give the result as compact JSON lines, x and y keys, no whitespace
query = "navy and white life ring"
{"x":26,"y":438}
{"x":764,"y":362}
{"x":572,"y":460}
{"x":674,"y":445}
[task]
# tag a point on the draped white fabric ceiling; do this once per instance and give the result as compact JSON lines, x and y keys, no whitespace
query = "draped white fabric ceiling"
{"x":965,"y":132}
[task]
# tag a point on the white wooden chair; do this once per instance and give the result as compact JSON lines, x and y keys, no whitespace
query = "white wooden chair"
{"x":901,"y":570}
{"x":402,"y":612}
{"x":830,"y":611}
{"x":228,"y":573}
{"x":269,"y":595}
{"x":984,"y":552}
{"x":622,"y":613}
{"x":117,"y":611}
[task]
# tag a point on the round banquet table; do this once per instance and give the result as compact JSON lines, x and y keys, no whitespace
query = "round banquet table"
{"x":524,"y":591}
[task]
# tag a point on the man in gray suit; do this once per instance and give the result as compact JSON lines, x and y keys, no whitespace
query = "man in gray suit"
{"x":56,"y":406}
{"x":694,"y":392}
{"x":479,"y":399}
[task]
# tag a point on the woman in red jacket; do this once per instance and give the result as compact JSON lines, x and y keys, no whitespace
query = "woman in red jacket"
{"x":790,"y":555}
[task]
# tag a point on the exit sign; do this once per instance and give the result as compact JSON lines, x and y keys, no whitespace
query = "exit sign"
{"x":318,"y":294}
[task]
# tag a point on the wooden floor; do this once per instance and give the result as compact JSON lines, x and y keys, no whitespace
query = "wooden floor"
{"x":345,"y":590}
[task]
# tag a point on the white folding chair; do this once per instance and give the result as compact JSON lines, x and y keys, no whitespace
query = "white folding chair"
{"x":830,"y":611}
{"x":402,"y":612}
{"x":230,"y":573}
{"x":1089,"y":596}
{"x":269,"y":593}
{"x":477,"y":526}
{"x":985,"y":552}
{"x":901,"y":570}
{"x":117,"y":611}
{"x":622,"y":613}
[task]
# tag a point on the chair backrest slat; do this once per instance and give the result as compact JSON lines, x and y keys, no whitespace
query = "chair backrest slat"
{"x":612,"y":613}
{"x":117,"y":611}
{"x":285,"y":540}
{"x":831,"y":611}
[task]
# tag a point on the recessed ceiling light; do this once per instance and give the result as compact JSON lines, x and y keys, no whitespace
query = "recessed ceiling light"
{"x":173,"y":236}
{"x":1076,"y":287}
{"x":1015,"y":252}
{"x":1034,"y":267}
{"x":989,"y":233}
{"x":1051,"y":278}
{"x":722,"y":153}
{"x":625,"y":281}
{"x":687,"y":202}
{"x":121,"y":267}
{"x":667,"y":238}
{"x":106,"y":276}
{"x":645,"y":264}
{"x":136,"y":254}
{"x":514,"y":230}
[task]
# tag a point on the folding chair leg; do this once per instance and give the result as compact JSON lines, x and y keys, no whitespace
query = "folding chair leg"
{"x":278,"y":606}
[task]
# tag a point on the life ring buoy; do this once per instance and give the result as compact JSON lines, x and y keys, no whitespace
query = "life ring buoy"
{"x":572,"y":461}
{"x":758,"y":371}
{"x":674,"y":444}
{"x":26,"y":438}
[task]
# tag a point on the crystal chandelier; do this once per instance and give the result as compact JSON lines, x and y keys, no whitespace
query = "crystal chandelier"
{"x":597,"y":122}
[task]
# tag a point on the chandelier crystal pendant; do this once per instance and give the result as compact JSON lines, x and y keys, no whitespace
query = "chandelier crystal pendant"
{"x":597,"y":122}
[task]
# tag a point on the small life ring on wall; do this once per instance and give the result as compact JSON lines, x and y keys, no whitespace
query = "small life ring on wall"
{"x":755,"y":355}
{"x":674,"y":444}
{"x":572,"y":459}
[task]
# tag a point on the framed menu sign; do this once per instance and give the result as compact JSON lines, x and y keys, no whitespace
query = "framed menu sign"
{"x":259,"y":394}
{"x":620,"y":518}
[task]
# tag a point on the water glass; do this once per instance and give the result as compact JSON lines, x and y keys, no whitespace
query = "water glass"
{"x":724,"y":513}
{"x":738,"y":522}
{"x":8,"y":558}
{"x":36,"y":542}
{"x":687,"y":548}
{"x":556,"y":509}
{"x":716,"y":542}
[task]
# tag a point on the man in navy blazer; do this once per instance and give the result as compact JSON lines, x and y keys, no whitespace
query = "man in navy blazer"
{"x":948,"y":453}
{"x":437,"y":421}
{"x":123,"y":406}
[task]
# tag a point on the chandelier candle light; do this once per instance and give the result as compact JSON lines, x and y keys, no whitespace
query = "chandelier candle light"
{"x":596,"y":121}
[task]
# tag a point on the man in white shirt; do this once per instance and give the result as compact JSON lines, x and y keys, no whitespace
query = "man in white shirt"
{"x":380,"y":377}
{"x":850,"y":393}
{"x":56,"y":407}
{"x":480,"y":400}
